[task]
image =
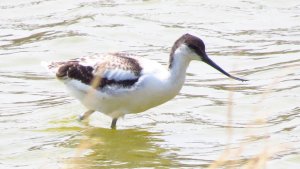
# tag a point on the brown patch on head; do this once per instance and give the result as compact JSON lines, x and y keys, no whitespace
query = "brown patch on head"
{"x":191,"y":41}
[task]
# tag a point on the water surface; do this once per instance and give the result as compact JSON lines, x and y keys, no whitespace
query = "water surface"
{"x":243,"y":124}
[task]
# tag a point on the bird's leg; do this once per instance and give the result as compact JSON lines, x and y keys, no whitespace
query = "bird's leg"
{"x":85,"y":114}
{"x":113,"y":123}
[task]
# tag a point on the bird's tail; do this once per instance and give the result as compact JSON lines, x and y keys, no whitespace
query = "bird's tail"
{"x":52,"y":67}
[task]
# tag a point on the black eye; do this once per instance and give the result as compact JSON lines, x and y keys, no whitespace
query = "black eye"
{"x":193,"y":47}
{"x":196,"y":49}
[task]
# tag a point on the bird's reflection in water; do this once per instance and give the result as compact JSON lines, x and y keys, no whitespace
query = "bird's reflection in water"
{"x":108,"y":148}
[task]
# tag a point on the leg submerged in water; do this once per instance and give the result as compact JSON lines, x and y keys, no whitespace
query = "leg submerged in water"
{"x":85,"y":115}
{"x":114,"y":123}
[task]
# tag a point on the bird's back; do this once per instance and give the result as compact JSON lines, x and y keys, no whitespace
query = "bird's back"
{"x":111,"y":83}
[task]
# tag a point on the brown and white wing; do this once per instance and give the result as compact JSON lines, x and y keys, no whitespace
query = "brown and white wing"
{"x":100,"y":71}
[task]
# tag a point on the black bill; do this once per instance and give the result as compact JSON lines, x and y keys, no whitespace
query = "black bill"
{"x":207,"y":60}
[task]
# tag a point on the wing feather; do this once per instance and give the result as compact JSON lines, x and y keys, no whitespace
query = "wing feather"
{"x":100,"y":70}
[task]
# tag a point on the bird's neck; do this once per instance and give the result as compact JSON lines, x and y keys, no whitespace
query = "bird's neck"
{"x":177,"y":68}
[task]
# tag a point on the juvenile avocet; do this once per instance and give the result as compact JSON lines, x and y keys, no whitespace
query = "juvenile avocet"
{"x":119,"y":84}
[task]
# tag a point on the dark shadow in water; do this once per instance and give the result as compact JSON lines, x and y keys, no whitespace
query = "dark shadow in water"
{"x":106,"y":148}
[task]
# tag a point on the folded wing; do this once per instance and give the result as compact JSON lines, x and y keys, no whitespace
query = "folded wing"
{"x":100,"y":71}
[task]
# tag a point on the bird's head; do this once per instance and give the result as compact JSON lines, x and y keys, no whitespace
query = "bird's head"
{"x":193,"y":48}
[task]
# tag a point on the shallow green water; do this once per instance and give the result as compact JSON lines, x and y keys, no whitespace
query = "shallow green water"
{"x":252,"y":39}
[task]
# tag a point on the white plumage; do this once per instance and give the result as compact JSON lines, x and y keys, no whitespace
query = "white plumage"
{"x":119,"y":84}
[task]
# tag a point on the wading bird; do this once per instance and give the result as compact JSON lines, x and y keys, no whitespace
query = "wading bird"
{"x":119,"y":84}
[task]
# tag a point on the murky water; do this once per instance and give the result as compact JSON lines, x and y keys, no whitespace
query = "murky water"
{"x":214,"y":122}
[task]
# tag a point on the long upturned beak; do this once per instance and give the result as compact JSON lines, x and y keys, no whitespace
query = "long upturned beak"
{"x":207,"y":60}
